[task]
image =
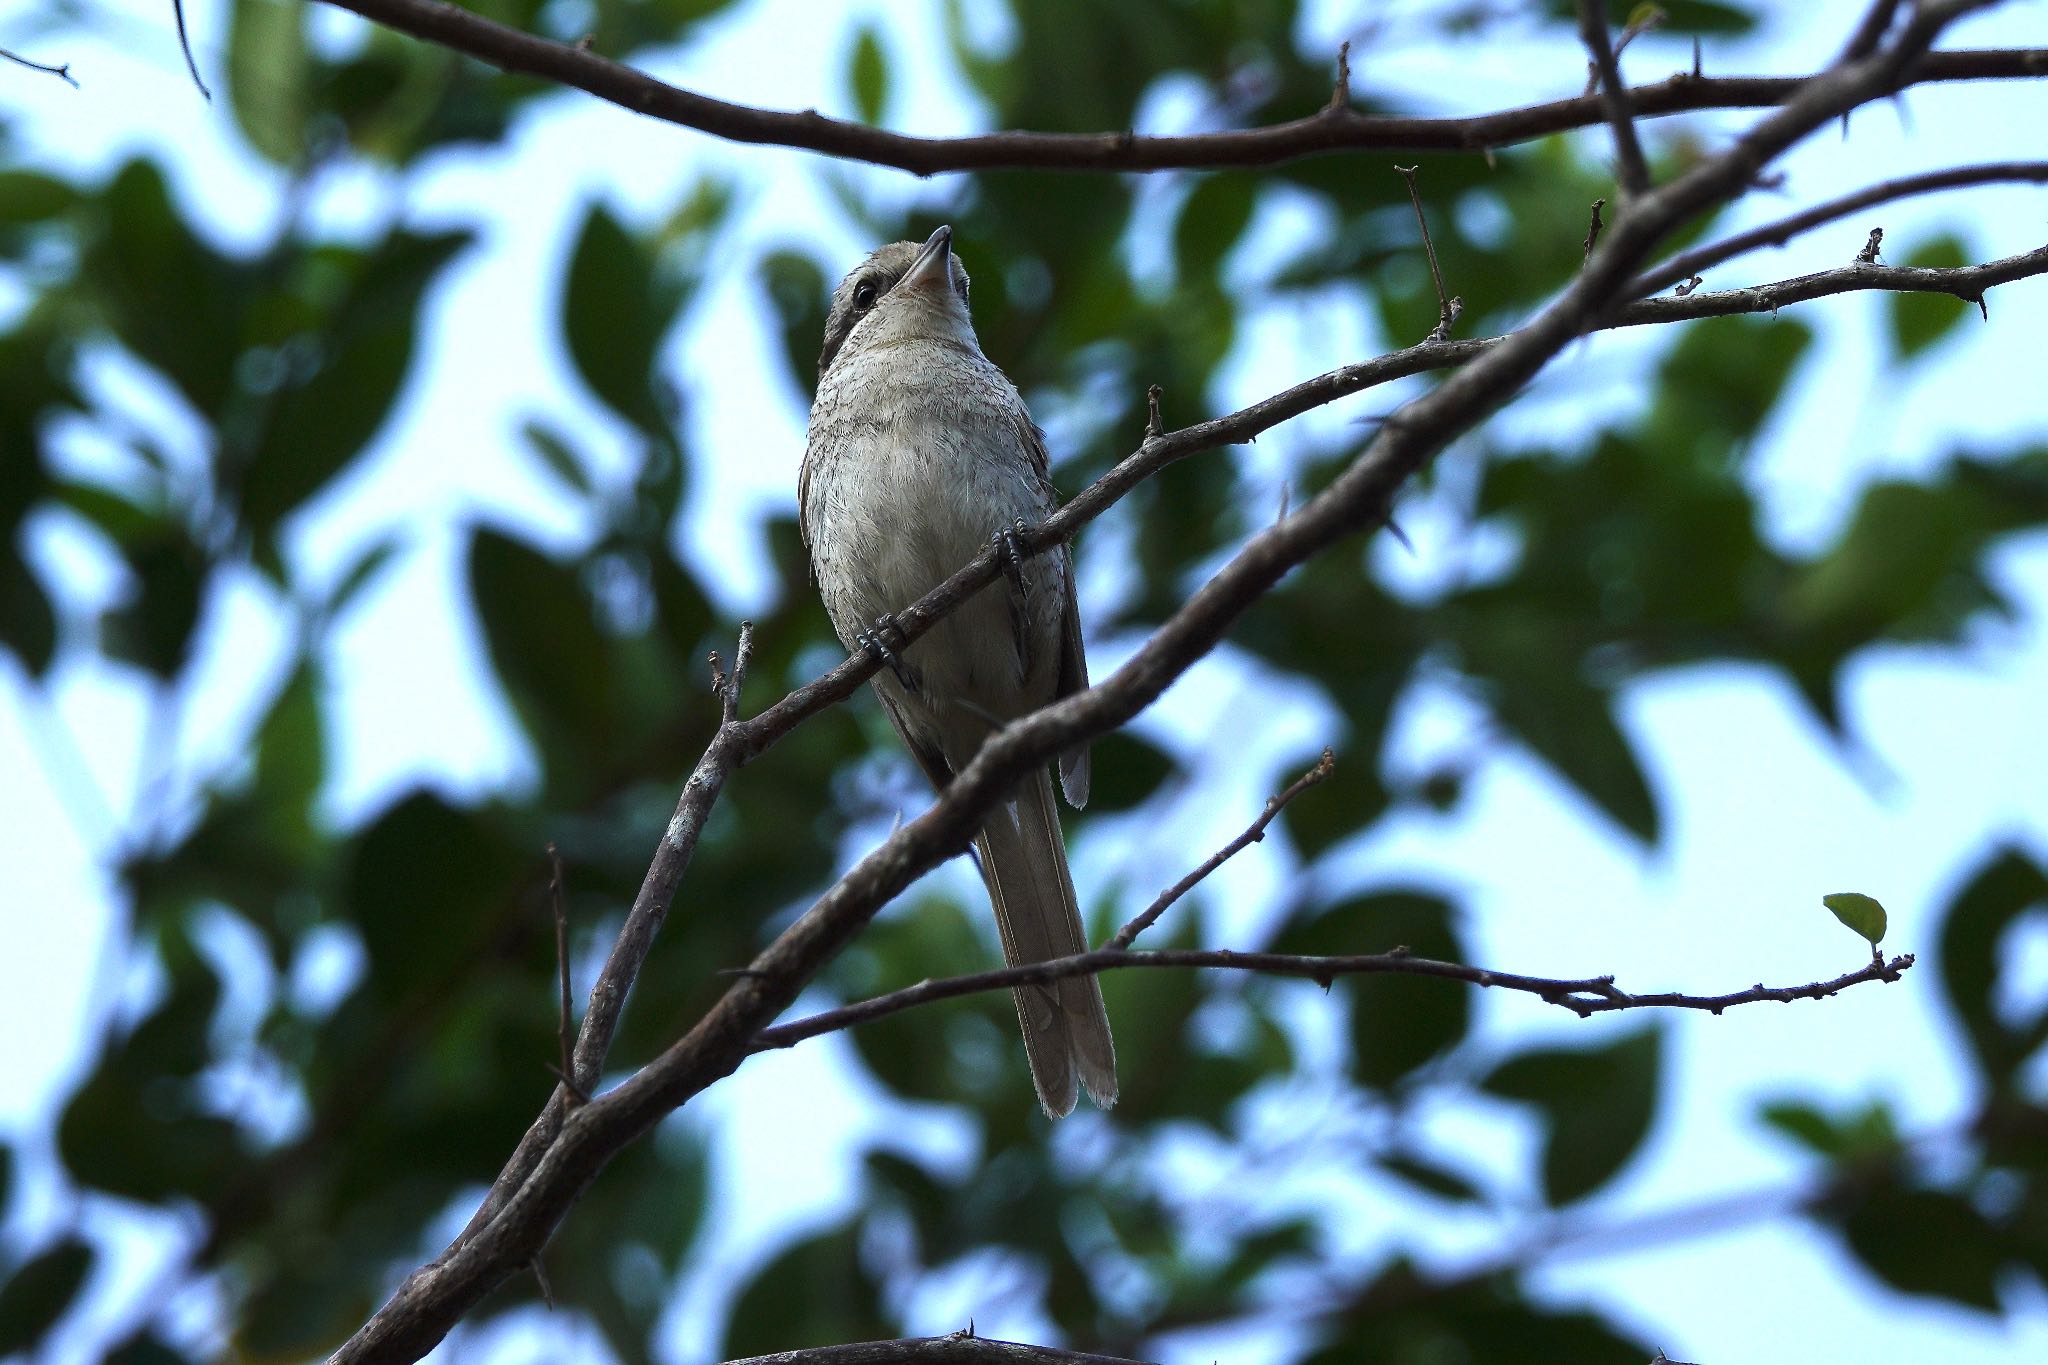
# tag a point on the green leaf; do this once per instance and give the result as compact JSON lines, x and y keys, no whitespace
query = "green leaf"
{"x":548,"y":443}
{"x":37,"y":1294}
{"x":1215,"y":216}
{"x":813,"y":1293}
{"x":1860,"y":912}
{"x":1918,"y":321}
{"x":368,"y":564}
{"x":1127,"y":770}
{"x":2009,"y":889}
{"x":428,"y":884}
{"x":32,"y":197}
{"x":868,"y":74}
{"x":545,"y":643}
{"x":335,"y":402}
{"x":267,"y":64}
{"x":28,"y":623}
{"x":1397,"y":1022}
{"x":170,"y":298}
{"x":614,"y":315}
{"x":1431,"y":1177}
{"x":1598,"y":1104}
{"x":1869,"y":1132}
{"x":1928,"y":1242}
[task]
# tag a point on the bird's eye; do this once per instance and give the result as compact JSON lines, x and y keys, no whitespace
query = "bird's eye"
{"x":864,"y":295}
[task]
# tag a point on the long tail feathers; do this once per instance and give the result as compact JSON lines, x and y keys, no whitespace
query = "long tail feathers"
{"x":1066,"y":1029}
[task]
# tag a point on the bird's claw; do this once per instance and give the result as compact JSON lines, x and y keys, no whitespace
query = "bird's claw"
{"x":1010,"y":554}
{"x":876,"y":638}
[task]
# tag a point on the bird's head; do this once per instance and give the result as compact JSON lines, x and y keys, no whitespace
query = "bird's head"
{"x":905,"y":291}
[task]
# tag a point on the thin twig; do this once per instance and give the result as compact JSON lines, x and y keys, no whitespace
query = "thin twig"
{"x":62,"y":73}
{"x":960,"y":1348}
{"x":1584,"y":996}
{"x":1447,"y":308}
{"x":1690,"y":263}
{"x":1629,"y":166}
{"x":185,"y":42}
{"x":1252,"y":834}
{"x":1317,"y":134}
{"x":1877,"y":20}
{"x":562,"y":1024}
{"x":1593,"y":227}
{"x":1340,"y":91}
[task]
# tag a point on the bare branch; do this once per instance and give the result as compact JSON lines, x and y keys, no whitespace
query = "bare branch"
{"x":563,"y":1023}
{"x":960,"y":1348}
{"x":1682,"y":267}
{"x":1317,"y":134}
{"x":1629,"y":167}
{"x":62,"y":73}
{"x":1447,"y":308}
{"x":1585,"y":996}
{"x":1877,"y":21}
{"x":185,"y":43}
{"x":1967,"y":283}
{"x":1252,"y":834}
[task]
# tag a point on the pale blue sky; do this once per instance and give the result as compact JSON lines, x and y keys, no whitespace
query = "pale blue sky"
{"x":1762,"y":816}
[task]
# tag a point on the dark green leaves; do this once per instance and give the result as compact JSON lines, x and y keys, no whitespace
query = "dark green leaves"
{"x":814,"y":1293}
{"x":1397,"y":1022}
{"x":1918,"y":321}
{"x":615,"y":312}
{"x":336,"y":380}
{"x":1894,"y":1233}
{"x":868,"y":74}
{"x":267,"y":72}
{"x":2009,"y":890}
{"x":39,"y":1291}
{"x":1596,"y":1106}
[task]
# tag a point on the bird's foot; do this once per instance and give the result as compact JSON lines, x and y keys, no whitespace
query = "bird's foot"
{"x":1010,"y":554}
{"x":877,"y":639}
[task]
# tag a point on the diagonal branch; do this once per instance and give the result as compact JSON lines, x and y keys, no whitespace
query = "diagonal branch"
{"x":62,"y":73}
{"x":1331,"y":129}
{"x":1629,"y":167}
{"x":1252,"y":834}
{"x":1584,"y":996}
{"x":960,"y":1348}
{"x":1683,"y":267}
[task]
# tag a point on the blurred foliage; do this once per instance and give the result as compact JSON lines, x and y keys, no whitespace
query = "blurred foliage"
{"x":1637,"y":550}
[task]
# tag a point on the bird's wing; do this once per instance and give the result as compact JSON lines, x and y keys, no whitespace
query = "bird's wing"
{"x":1073,"y":671}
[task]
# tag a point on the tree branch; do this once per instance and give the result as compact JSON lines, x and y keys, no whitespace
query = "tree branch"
{"x":437,"y":1295}
{"x":1630,"y":170}
{"x":1585,"y":997}
{"x":1331,"y":129}
{"x":1683,"y":267}
{"x":1967,"y":283}
{"x":1253,"y":833}
{"x":62,"y":73}
{"x":960,"y":1348}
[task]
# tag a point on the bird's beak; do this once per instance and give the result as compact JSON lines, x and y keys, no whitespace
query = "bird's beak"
{"x":933,"y":268}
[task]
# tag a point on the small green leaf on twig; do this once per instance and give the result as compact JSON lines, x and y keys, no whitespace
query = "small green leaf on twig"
{"x":1860,"y":912}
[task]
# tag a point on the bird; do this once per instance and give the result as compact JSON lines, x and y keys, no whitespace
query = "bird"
{"x":920,"y":453}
